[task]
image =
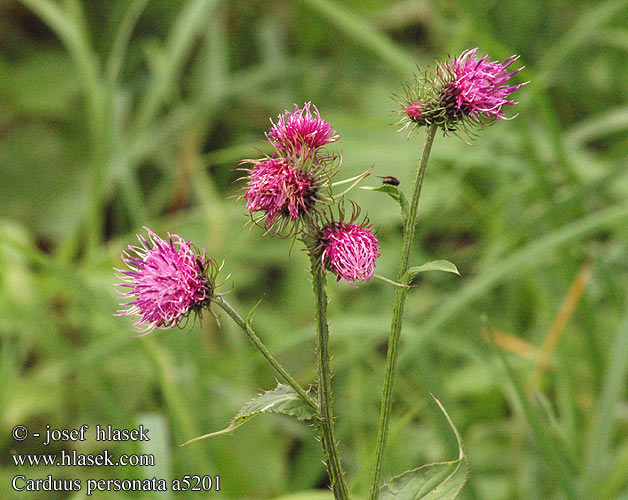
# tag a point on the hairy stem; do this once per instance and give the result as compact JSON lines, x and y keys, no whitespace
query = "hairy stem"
{"x":330,"y":447}
{"x":223,"y":304}
{"x":397,"y":318}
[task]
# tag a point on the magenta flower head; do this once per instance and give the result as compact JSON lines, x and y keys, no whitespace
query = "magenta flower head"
{"x":301,"y":133}
{"x":166,"y":280}
{"x":280,"y":191}
{"x":349,"y":250}
{"x":479,"y":85}
{"x":462,"y":93}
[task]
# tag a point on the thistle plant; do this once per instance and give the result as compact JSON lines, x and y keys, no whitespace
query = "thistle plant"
{"x":290,"y":194}
{"x":464,"y":93}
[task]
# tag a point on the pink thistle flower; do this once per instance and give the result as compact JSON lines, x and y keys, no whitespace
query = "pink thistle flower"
{"x":165,"y":281}
{"x":479,"y":85}
{"x":300,"y":132}
{"x":279,"y":190}
{"x":462,"y":93}
{"x":349,"y":251}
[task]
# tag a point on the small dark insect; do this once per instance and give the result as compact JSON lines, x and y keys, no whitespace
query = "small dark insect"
{"x":200,"y":265}
{"x":389,"y":179}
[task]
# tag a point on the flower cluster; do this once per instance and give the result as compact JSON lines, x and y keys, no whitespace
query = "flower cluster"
{"x":287,"y":190}
{"x":462,"y":93}
{"x":165,"y":281}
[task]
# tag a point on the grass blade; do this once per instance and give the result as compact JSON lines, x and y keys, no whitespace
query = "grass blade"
{"x":584,"y":30}
{"x":601,"y":432}
{"x":546,"y":444}
{"x":179,"y":45}
{"x":366,"y":35}
{"x":509,"y":267}
{"x":121,"y":41}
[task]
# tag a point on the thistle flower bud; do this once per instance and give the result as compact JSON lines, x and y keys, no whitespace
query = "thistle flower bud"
{"x":349,"y":250}
{"x":463,"y":93}
{"x":166,"y":280}
{"x":414,"y":112}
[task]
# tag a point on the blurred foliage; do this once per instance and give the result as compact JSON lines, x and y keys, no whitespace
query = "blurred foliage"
{"x":121,"y":114}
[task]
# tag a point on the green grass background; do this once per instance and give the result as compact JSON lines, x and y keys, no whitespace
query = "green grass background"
{"x":119,"y":114}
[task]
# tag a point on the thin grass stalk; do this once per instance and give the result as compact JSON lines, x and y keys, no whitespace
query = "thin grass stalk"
{"x":122,"y":39}
{"x":397,"y":319}
{"x":600,"y":438}
{"x":67,"y":23}
{"x":548,"y":448}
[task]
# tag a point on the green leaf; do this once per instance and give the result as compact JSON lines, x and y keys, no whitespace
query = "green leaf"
{"x":283,"y":399}
{"x":438,"y":481}
{"x":249,"y":317}
{"x":434,"y":265}
{"x":387,"y":280}
{"x":395,"y":193}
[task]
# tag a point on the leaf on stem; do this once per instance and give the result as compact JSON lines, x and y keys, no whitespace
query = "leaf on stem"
{"x":249,"y":317}
{"x":387,"y":280}
{"x":283,"y":400}
{"x":434,"y":265}
{"x":438,"y":481}
{"x":395,"y":193}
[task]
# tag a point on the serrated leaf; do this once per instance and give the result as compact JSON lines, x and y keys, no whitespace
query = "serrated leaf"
{"x":434,"y":265}
{"x":283,"y":400}
{"x":438,"y":481}
{"x":395,"y":193}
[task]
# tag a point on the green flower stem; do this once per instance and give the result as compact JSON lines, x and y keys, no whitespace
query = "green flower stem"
{"x":225,"y":306}
{"x":330,"y":447}
{"x":397,"y":319}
